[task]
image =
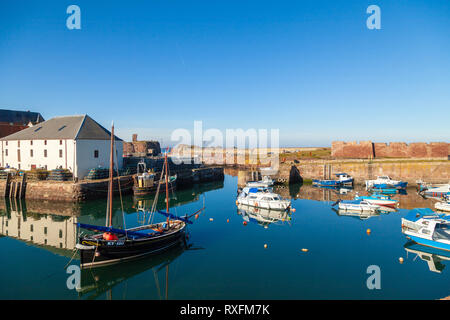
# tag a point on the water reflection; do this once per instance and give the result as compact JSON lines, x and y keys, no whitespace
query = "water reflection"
{"x":263,"y":217}
{"x":409,"y":200}
{"x":433,"y":257}
{"x":51,"y":225}
{"x":360,"y":215}
{"x":98,"y":281}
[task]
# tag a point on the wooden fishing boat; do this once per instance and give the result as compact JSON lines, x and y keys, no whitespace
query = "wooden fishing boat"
{"x":112,"y":245}
{"x":145,"y":184}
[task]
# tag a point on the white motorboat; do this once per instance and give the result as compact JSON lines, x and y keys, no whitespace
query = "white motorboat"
{"x":443,"y":206}
{"x":438,"y":191}
{"x":384,"y":182}
{"x":262,"y":198}
{"x":427,"y":228}
{"x":378,"y":199}
{"x":357,"y":205}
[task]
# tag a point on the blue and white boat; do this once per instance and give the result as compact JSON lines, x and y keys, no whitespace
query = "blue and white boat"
{"x":343,"y":180}
{"x":356,"y":206}
{"x":385,"y":182}
{"x":378,"y":199}
{"x":432,"y":256}
{"x":427,"y":228}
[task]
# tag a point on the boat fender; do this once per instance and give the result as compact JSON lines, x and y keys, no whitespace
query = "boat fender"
{"x":109,"y":236}
{"x":83,"y":247}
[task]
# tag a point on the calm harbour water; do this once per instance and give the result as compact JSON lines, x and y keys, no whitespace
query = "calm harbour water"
{"x":224,"y":260}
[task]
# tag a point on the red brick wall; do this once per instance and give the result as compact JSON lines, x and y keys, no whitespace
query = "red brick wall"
{"x":367,"y":149}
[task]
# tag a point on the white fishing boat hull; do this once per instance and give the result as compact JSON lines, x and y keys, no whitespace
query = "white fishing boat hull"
{"x":380,"y":202}
{"x":442,"y":206}
{"x":271,"y":205}
{"x":361,"y":207}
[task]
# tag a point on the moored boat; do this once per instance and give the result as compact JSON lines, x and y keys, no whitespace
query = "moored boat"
{"x":378,"y":199}
{"x":145,"y":184}
{"x":262,"y":198}
{"x":443,"y":206}
{"x":343,"y":180}
{"x":265,"y":182}
{"x":356,"y":205}
{"x":112,"y":245}
{"x":427,"y":228}
{"x":385,"y":182}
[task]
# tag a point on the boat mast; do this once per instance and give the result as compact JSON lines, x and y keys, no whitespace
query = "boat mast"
{"x":111,"y":165}
{"x":167,"y":187}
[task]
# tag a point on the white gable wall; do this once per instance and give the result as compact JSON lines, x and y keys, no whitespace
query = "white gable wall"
{"x":85,"y":150}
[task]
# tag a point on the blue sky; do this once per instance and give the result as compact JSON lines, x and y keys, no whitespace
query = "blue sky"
{"x":309,"y":68}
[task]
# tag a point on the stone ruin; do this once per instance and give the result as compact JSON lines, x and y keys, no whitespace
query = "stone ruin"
{"x":141,"y":148}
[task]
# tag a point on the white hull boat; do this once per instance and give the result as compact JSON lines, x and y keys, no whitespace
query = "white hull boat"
{"x":442,"y":206}
{"x":260,"y":199}
{"x":357,"y":206}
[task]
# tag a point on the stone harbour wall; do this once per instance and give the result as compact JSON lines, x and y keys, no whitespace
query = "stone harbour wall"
{"x":411,"y":171}
{"x":368,"y":149}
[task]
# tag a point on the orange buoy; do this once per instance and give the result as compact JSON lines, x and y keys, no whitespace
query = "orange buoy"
{"x":368,"y":231}
{"x":228,"y":220}
{"x":211,"y":219}
{"x":305,"y":250}
{"x":400,"y":259}
{"x":196,"y":216}
{"x":293,"y":209}
{"x":265,"y":246}
{"x":244,"y":223}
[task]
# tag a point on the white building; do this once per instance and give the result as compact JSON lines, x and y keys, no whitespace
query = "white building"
{"x":77,"y":143}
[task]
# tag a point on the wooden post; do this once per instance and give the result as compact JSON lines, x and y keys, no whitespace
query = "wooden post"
{"x":8,"y":182}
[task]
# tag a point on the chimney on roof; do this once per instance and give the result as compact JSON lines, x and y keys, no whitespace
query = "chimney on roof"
{"x":134,"y":137}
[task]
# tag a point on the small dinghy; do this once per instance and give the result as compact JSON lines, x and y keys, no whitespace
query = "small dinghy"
{"x":385,"y":182}
{"x":427,"y":228}
{"x":356,"y":205}
{"x":343,"y":180}
{"x":265,"y":182}
{"x":378,"y":199}
{"x":262,"y":198}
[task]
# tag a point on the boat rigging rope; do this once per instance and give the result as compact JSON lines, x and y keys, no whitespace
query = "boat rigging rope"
{"x":120,"y":195}
{"x":155,"y":200}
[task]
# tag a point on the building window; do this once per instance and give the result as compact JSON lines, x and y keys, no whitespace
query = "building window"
{"x":45,"y":230}
{"x":18,"y":143}
{"x":31,"y":152}
{"x":95,"y":153}
{"x":45,"y":153}
{"x":60,"y":153}
{"x":45,"y":142}
{"x":31,"y":142}
{"x":60,"y":142}
{"x":60,"y":234}
{"x":31,"y":228}
{"x":18,"y":155}
{"x":6,"y":142}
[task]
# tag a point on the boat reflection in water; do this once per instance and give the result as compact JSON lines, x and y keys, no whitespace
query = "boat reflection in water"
{"x":363,"y":215}
{"x":432,"y":256}
{"x":263,"y":217}
{"x":98,"y":281}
